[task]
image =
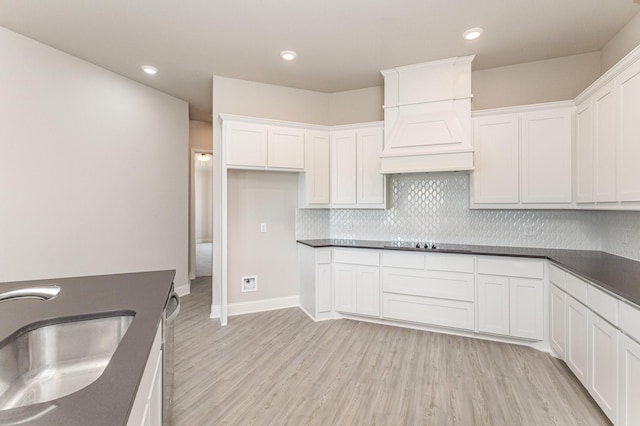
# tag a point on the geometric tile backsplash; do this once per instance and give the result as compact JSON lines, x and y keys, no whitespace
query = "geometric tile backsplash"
{"x":435,"y":206}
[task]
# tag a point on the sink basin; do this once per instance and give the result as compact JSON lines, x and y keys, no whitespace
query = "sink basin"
{"x":54,"y":360}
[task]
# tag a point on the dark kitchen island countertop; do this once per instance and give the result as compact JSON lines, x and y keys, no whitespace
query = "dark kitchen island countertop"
{"x":618,"y":275}
{"x":108,"y":400}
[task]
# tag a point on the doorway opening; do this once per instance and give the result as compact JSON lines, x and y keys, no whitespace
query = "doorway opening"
{"x":201,"y":240}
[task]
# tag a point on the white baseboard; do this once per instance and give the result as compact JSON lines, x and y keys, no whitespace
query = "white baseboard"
{"x":183,"y":290}
{"x":263,"y":305}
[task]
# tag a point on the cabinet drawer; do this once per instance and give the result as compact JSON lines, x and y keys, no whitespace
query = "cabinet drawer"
{"x":403,"y":259}
{"x":510,"y":267}
{"x":557,"y":277}
{"x":323,"y":255}
{"x":577,"y":288}
{"x":425,"y":310}
{"x":357,"y":257}
{"x":630,"y":320}
{"x":440,"y":285}
{"x":603,"y":304}
{"x":450,"y":263}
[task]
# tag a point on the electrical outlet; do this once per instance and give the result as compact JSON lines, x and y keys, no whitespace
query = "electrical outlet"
{"x":263,"y":227}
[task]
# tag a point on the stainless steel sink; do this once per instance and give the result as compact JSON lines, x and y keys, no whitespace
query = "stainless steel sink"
{"x":55,"y":360}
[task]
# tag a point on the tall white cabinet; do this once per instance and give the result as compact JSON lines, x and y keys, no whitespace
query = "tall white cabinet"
{"x":523,"y":157}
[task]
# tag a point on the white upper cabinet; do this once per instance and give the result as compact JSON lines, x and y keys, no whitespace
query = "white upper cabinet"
{"x":370,"y":182}
{"x":523,"y":157}
{"x":629,"y":134}
{"x":245,"y":144}
{"x":496,"y":178}
{"x":584,"y":152}
{"x":608,"y":139}
{"x":255,"y":143}
{"x":313,"y":185}
{"x":285,"y":148}
{"x":356,"y":181}
{"x":343,"y":170}
{"x":604,"y":107}
{"x":546,"y":147}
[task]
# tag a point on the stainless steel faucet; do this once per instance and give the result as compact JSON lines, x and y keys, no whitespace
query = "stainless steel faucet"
{"x":42,"y":293}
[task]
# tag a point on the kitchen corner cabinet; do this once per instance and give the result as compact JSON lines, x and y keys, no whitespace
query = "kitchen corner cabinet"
{"x":523,"y":157}
{"x":511,"y":298}
{"x":356,"y":282}
{"x":147,"y":405}
{"x":250,"y":143}
{"x":315,"y":281}
{"x":557,"y":322}
{"x":607,"y":134}
{"x":314,"y":183}
{"x":356,"y":181}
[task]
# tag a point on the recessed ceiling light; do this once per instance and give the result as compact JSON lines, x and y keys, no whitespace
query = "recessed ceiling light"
{"x":288,"y":55}
{"x":149,"y":69}
{"x":472,"y":33}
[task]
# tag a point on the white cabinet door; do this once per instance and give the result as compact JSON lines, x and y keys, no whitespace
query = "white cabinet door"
{"x":603,"y":361}
{"x":496,"y":178}
{"x":493,"y":304}
{"x":343,"y":170}
{"x":314,"y":182}
{"x":546,"y":153}
{"x":345,"y":287}
{"x":629,"y":382}
{"x":246,"y":144}
{"x":526,"y":308}
{"x":577,"y":355}
{"x":629,"y":134}
{"x":285,"y":148}
{"x":584,"y":152}
{"x":323,"y":282}
{"x":147,"y":405}
{"x":370,"y":182}
{"x":604,"y":107}
{"x":368,"y":291}
{"x":557,"y":311}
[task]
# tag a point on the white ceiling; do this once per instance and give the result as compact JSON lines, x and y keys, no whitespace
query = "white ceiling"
{"x":341,"y":44}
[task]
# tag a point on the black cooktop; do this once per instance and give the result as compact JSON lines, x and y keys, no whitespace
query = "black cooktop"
{"x":428,"y":246}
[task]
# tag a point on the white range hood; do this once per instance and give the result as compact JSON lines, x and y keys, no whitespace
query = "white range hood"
{"x":427,"y":117}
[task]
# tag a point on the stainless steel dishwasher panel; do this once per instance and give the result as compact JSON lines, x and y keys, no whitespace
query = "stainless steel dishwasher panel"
{"x":168,"y":358}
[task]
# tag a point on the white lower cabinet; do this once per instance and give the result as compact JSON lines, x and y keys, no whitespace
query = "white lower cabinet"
{"x":147,"y":406}
{"x":629,"y":384}
{"x":357,"y":284}
{"x":428,"y":310}
{"x":603,"y":365}
{"x":510,"y":306}
{"x":557,"y":311}
{"x":577,"y":355}
{"x":493,"y":305}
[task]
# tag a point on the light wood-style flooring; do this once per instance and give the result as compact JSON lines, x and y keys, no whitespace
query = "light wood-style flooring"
{"x":281,"y":368}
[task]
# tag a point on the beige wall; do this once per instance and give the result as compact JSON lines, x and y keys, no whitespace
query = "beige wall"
{"x":356,"y":106}
{"x":93,"y":169}
{"x":200,"y":135}
{"x":202,"y":202}
{"x":534,"y":82}
{"x":621,"y":44}
{"x":255,"y":198}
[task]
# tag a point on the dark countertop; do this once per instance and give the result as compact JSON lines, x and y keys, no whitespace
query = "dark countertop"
{"x":106,"y":401}
{"x":618,"y":275}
